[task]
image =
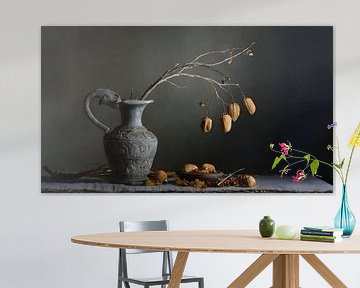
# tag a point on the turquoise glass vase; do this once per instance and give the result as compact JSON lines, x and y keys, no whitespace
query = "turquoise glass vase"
{"x":345,"y":219}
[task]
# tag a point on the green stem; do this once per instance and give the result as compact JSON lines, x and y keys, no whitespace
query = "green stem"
{"x":325,"y":163}
{"x":348,"y":166}
{"x":339,"y":157}
{"x":297,"y":162}
{"x":312,"y":157}
{"x":350,"y":159}
{"x":338,"y":149}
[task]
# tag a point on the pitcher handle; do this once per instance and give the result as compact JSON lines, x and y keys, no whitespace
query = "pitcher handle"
{"x":105,"y":96}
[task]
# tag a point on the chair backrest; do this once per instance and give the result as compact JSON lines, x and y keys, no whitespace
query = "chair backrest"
{"x":134,"y":226}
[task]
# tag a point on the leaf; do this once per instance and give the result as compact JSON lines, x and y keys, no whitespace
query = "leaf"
{"x":342,"y":163}
{"x":271,"y":146}
{"x":339,"y":165}
{"x":314,"y":166}
{"x":277,"y":161}
{"x":307,"y":157}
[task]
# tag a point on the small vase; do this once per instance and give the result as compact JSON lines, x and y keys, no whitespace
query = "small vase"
{"x":266,"y":227}
{"x":345,"y":219}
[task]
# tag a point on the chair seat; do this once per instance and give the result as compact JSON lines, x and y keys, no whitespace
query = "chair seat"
{"x":158,"y":280}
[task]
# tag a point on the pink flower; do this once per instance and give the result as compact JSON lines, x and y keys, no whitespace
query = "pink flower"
{"x":300,"y":175}
{"x":284,"y":148}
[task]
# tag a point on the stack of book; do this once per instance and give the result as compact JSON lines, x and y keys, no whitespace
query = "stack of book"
{"x":321,"y":234}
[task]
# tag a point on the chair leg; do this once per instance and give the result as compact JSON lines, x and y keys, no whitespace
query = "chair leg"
{"x":165,"y":266}
{"x":120,"y":273}
{"x":201,"y":283}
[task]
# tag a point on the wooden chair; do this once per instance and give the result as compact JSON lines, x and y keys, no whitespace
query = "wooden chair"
{"x":167,"y":262}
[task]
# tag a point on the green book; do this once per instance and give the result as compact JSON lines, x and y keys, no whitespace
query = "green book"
{"x":325,"y":240}
{"x":319,"y":236}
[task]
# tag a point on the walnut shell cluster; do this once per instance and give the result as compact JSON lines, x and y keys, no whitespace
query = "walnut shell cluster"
{"x":205,"y":168}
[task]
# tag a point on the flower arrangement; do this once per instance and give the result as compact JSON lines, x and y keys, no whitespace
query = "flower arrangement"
{"x":311,"y":163}
{"x":205,"y":68}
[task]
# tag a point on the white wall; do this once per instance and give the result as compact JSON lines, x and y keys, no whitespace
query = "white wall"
{"x":35,"y":229}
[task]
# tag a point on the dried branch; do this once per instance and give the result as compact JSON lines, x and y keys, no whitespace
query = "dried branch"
{"x":227,"y":51}
{"x":178,"y":70}
{"x":102,"y":171}
{"x":176,"y":85}
{"x":219,"y":99}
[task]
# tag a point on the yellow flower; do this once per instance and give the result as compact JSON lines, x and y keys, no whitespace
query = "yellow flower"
{"x":355,"y":138}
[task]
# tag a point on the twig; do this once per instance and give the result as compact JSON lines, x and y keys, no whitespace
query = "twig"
{"x":217,"y":95}
{"x":232,"y":56}
{"x":231,"y":174}
{"x":102,"y":171}
{"x":178,"y":69}
{"x":176,"y":85}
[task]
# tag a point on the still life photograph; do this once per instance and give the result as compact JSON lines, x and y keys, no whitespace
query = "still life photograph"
{"x":183,"y":109}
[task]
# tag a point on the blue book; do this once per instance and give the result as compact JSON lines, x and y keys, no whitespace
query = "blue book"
{"x":322,"y":231}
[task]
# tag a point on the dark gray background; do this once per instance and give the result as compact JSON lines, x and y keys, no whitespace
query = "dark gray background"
{"x":290,"y":78}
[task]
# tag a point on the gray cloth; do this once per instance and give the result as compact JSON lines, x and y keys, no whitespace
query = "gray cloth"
{"x":265,"y":184}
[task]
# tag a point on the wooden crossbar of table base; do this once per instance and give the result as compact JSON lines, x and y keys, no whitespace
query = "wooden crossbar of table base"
{"x":324,"y":271}
{"x":178,"y":270}
{"x":286,"y":271}
{"x":253,"y":270}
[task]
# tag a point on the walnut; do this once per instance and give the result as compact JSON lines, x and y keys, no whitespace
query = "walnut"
{"x":160,"y":176}
{"x":190,"y":168}
{"x":247,"y":180}
{"x":209,"y":168}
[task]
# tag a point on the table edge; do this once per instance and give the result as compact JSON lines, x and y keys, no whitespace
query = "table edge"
{"x":205,"y":250}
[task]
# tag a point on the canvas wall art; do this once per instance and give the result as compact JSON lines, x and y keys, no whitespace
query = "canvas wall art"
{"x":185,"y":109}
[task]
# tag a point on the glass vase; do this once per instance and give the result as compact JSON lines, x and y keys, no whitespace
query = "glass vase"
{"x":345,"y":219}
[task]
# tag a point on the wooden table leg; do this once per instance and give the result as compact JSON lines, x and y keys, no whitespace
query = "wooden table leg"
{"x":293,"y":262}
{"x":286,"y":271}
{"x":178,"y":269}
{"x":253,"y":270}
{"x":324,"y":271}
